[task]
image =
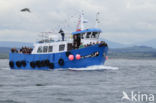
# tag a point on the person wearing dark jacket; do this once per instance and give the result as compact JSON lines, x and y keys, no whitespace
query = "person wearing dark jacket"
{"x":62,"y":34}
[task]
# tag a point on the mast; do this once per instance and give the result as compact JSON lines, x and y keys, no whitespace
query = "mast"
{"x":97,"y":20}
{"x":80,"y":25}
{"x":82,"y":20}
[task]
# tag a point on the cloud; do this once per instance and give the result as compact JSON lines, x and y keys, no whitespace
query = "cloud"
{"x":124,"y":21}
{"x":18,"y":35}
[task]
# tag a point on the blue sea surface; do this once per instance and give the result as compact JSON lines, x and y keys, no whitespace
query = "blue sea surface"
{"x":68,"y":86}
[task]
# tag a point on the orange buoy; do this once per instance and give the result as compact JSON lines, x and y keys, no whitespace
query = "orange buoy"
{"x":71,"y":57}
{"x":78,"y":56}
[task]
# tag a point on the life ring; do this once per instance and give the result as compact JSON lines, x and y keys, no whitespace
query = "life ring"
{"x":42,"y":63}
{"x":51,"y":65}
{"x":33,"y":64}
{"x":68,"y":53}
{"x":18,"y":64}
{"x":38,"y":63}
{"x":11,"y":64}
{"x":61,"y":62}
{"x":23,"y":63}
{"x":46,"y":62}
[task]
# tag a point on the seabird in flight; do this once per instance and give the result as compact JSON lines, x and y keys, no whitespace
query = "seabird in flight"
{"x":25,"y":10}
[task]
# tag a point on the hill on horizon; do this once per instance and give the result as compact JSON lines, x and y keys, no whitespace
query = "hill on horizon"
{"x":13,"y":44}
{"x":134,"y":52}
{"x":150,"y":43}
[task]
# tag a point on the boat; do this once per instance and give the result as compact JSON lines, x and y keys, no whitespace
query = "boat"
{"x":84,"y":49}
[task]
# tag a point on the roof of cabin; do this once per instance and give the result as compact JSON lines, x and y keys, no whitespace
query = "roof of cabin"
{"x":87,"y":30}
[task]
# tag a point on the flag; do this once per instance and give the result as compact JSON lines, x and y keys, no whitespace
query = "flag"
{"x":85,"y":21}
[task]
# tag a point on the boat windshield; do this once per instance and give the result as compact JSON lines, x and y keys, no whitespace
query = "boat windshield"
{"x":95,"y":35}
{"x":88,"y":35}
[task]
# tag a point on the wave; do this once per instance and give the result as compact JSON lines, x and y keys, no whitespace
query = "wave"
{"x":5,"y":68}
{"x":89,"y":68}
{"x":101,"y":67}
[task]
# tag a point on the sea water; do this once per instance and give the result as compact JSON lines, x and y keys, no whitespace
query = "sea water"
{"x":97,"y":84}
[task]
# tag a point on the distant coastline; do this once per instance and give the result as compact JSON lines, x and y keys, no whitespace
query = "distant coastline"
{"x":4,"y":56}
{"x":135,"y":52}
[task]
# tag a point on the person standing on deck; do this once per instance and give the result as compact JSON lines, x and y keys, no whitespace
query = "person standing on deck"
{"x":62,"y":34}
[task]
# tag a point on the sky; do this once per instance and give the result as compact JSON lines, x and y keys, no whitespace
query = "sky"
{"x":123,"y":21}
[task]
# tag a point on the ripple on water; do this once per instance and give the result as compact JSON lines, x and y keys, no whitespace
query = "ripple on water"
{"x":65,"y":99}
{"x":8,"y":101}
{"x":99,"y":84}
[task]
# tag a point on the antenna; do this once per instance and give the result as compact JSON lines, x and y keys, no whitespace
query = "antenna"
{"x":82,"y":20}
{"x":80,"y":25}
{"x":97,"y":19}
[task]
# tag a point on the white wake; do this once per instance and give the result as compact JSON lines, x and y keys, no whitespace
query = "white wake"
{"x":101,"y":67}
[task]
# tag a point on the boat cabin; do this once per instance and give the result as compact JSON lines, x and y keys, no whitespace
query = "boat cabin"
{"x":85,"y":36}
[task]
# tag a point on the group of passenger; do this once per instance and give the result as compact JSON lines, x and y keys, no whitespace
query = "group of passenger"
{"x":14,"y":50}
{"x":91,"y":43}
{"x":25,"y":50}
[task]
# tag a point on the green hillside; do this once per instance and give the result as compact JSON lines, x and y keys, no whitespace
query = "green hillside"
{"x":136,"y":52}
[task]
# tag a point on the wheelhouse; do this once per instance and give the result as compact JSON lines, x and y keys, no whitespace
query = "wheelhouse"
{"x":85,"y":37}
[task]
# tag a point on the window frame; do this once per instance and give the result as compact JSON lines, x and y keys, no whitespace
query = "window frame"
{"x":88,"y":35}
{"x":95,"y":35}
{"x":60,"y":48}
{"x":98,"y":34}
{"x":82,"y":35}
{"x":45,"y":49}
{"x":50,"y":50}
{"x":41,"y":49}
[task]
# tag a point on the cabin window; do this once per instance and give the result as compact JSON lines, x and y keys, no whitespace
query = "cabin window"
{"x":70,"y":46}
{"x":94,"y":34}
{"x":97,"y":35}
{"x":50,"y":49}
{"x":61,"y":47}
{"x":39,"y":50}
{"x":45,"y":49}
{"x":88,"y":35}
{"x":82,"y":35}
